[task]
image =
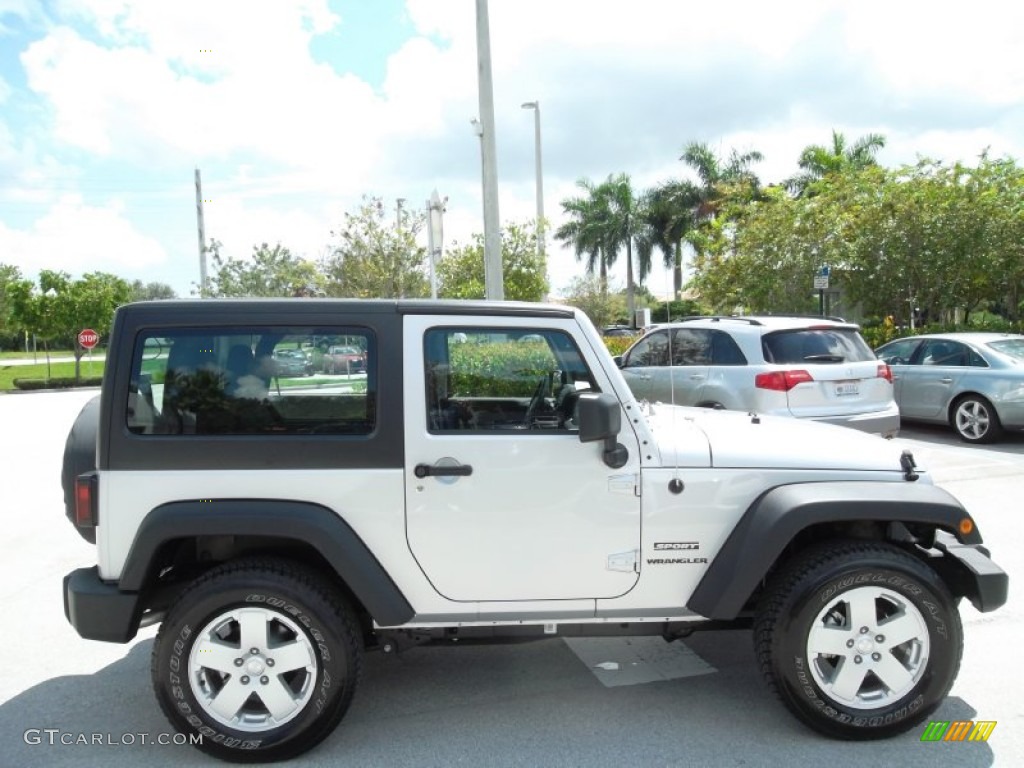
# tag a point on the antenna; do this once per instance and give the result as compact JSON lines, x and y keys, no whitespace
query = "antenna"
{"x":675,"y":484}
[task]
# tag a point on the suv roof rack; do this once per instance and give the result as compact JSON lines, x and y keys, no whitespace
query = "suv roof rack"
{"x":717,"y":318}
{"x":833,"y":318}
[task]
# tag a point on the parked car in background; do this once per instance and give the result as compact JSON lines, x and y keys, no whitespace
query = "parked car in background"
{"x":972,"y":381}
{"x":292,"y":362}
{"x":618,"y":330}
{"x":344,"y":360}
{"x":812,"y":368}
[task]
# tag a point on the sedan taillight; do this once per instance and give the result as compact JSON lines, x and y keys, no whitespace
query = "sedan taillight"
{"x":885,"y":372}
{"x":781,"y":381}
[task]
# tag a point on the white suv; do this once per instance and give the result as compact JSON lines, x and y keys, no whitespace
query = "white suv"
{"x":812,"y":368}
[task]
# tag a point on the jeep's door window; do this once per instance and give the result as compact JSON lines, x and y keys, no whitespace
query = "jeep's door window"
{"x":244,"y":381}
{"x":503,"y":379}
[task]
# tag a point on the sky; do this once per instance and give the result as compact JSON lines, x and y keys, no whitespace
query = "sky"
{"x":294,"y":110}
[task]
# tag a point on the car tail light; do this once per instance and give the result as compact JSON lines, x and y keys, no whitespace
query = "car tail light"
{"x":885,"y":372}
{"x":781,"y":381}
{"x":86,"y":488}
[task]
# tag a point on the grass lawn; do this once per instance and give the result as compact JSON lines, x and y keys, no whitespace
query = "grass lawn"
{"x":8,"y":373}
{"x":18,"y":354}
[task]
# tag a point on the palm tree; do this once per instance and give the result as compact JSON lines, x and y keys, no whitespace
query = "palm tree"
{"x":715,"y":174}
{"x":583,"y":229}
{"x":600,"y":223}
{"x":817,"y":161}
{"x":667,"y":216}
{"x":621,"y":227}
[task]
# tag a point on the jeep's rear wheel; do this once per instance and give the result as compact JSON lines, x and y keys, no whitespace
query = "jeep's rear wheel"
{"x":859,"y":639}
{"x":258,"y":657}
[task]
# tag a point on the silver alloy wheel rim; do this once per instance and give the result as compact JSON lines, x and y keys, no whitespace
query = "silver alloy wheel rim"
{"x":868,"y":647}
{"x":252,"y":669}
{"x":972,"y":419}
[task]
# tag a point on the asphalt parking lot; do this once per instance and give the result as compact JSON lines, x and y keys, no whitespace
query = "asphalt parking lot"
{"x":533,"y":704}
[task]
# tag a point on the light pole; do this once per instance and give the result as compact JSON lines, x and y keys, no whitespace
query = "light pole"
{"x":535,"y":106}
{"x":494,"y":283}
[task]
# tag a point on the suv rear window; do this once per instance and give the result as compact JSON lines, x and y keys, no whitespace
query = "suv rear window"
{"x":245,"y":381}
{"x":815,"y":345}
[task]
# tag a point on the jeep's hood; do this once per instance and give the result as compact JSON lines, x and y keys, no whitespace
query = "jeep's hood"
{"x":733,"y":439}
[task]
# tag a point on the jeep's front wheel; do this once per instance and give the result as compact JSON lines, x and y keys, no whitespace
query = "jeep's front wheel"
{"x":859,"y":639}
{"x":259,"y":658}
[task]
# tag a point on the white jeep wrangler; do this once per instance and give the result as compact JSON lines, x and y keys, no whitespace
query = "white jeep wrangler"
{"x":487,"y":474}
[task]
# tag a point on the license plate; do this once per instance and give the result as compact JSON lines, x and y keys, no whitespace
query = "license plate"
{"x":847,"y":388}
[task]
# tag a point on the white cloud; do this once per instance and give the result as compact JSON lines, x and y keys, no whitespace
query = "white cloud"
{"x":79,"y":238}
{"x":286,"y":143}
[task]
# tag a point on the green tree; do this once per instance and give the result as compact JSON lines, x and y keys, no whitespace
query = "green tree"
{"x":726,"y":187}
{"x":945,"y":239}
{"x":376,"y":257}
{"x":590,"y":293}
{"x":151,"y":291}
{"x":9,"y":275}
{"x":460,"y":272}
{"x":61,"y":307}
{"x":272,"y":271}
{"x":817,"y":161}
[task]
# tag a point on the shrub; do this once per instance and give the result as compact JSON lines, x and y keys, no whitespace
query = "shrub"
{"x":58,"y":383}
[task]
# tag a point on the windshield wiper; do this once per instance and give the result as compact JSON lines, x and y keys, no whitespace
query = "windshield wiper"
{"x":825,"y":358}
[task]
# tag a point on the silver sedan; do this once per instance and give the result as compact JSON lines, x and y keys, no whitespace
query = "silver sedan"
{"x":972,"y":381}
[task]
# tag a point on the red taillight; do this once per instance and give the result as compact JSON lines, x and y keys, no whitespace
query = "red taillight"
{"x":781,"y":381}
{"x":85,"y":501}
{"x":885,"y":372}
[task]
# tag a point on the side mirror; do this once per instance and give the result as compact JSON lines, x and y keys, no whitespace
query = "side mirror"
{"x":600,"y":418}
{"x":617,"y":360}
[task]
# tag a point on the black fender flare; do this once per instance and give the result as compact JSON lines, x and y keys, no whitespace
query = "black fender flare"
{"x":304,"y":522}
{"x":778,"y":515}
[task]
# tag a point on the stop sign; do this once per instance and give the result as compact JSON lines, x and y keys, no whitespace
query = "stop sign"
{"x":88,"y":338}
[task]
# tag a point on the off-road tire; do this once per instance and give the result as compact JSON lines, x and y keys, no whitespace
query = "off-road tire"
{"x":299,"y":611}
{"x":810,"y":602}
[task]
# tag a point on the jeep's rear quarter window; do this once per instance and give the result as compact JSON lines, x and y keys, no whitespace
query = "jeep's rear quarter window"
{"x":816,"y":345}
{"x":246,"y":381}
{"x":503,"y":379}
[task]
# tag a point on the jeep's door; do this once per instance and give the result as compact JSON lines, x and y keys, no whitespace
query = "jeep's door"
{"x":503,"y":502}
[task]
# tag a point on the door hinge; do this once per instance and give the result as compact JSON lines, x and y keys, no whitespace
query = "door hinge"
{"x":624,"y":562}
{"x":624,"y":484}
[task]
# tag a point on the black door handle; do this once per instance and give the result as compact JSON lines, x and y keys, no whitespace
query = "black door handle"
{"x":459,"y":470}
